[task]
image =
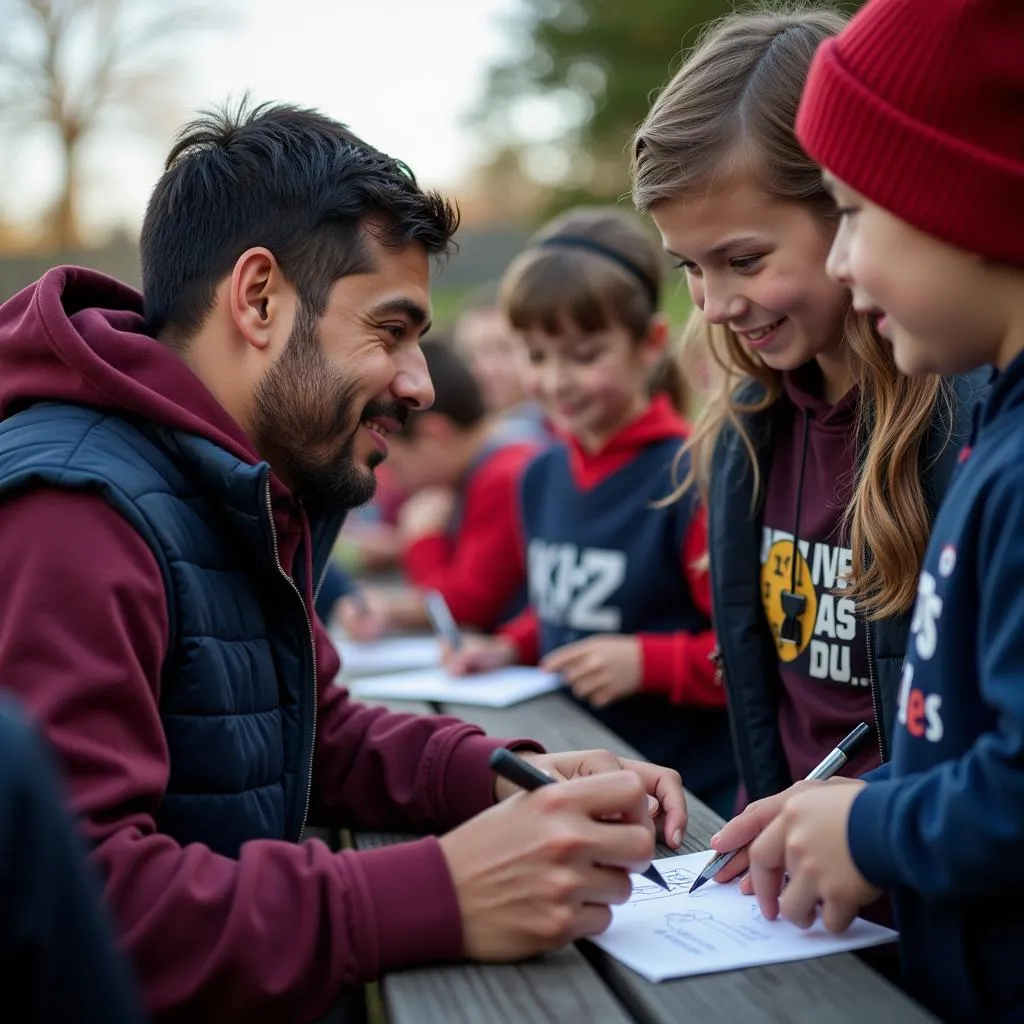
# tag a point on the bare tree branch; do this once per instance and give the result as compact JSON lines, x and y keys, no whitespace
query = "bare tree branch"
{"x":73,"y":66}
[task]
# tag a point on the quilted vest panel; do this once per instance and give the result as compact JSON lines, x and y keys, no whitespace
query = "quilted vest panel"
{"x":237,"y":693}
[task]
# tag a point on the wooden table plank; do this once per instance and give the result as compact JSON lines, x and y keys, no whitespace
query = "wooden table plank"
{"x":552,"y":989}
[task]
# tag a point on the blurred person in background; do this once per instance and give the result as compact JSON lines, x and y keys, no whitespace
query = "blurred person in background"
{"x":619,"y":604}
{"x":459,"y":528}
{"x":497,"y":357}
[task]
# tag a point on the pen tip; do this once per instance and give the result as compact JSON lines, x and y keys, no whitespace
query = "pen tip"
{"x":698,"y":882}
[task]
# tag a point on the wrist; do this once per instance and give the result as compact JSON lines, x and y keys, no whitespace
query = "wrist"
{"x":503,"y":789}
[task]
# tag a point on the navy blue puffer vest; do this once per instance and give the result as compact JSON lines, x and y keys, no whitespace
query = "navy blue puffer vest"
{"x":238,"y":688}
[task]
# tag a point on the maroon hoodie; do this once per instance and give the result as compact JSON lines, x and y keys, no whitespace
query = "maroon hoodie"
{"x":277,"y":933}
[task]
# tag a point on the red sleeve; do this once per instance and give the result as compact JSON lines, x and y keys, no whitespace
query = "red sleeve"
{"x":524,"y":632}
{"x":481,"y":573}
{"x":679,"y":665}
{"x":274,"y":935}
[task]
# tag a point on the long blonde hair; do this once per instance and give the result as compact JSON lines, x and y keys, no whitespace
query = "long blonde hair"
{"x":549,"y":286}
{"x":735,"y":100}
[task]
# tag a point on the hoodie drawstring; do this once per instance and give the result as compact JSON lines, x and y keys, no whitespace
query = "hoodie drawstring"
{"x":793,"y":604}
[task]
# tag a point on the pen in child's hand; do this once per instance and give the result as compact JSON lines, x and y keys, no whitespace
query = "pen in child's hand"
{"x":527,"y":776}
{"x":835,"y":760}
{"x":441,"y":619}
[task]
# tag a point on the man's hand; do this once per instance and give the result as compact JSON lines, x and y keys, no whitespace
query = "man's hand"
{"x":541,"y":869}
{"x":426,"y":512}
{"x":478,"y":654}
{"x":600,"y":669}
{"x":665,"y":797}
{"x":807,"y":841}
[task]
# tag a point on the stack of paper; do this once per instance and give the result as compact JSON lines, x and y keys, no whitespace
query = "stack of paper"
{"x":391,"y":654}
{"x":498,"y":689}
{"x":673,"y":934}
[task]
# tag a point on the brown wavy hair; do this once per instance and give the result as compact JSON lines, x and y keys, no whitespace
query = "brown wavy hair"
{"x":735,"y":99}
{"x":553,"y":287}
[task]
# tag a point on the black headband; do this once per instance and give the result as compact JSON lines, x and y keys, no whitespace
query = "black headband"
{"x":592,"y":245}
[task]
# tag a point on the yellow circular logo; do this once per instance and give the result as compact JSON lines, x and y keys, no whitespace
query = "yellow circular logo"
{"x":776,"y":577}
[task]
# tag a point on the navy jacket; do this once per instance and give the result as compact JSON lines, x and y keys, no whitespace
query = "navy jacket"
{"x":241,"y":648}
{"x":946,"y":831}
{"x":748,"y":652}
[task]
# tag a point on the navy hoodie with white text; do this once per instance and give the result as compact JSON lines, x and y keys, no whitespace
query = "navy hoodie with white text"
{"x":945,"y":831}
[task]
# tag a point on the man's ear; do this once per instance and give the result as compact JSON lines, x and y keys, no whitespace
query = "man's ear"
{"x":653,"y":343}
{"x":261,"y":302}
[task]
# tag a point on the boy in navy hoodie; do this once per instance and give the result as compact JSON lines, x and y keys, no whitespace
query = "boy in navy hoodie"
{"x":914,"y":113}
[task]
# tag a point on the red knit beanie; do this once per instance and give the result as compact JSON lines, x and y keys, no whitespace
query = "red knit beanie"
{"x":919,"y":106}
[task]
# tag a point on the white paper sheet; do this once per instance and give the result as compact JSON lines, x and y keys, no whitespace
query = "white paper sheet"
{"x":672,"y":934}
{"x":389,"y":654}
{"x":498,"y":689}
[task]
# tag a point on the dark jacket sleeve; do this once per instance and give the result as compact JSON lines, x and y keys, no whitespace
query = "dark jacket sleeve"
{"x":749,"y":657}
{"x":58,"y":958}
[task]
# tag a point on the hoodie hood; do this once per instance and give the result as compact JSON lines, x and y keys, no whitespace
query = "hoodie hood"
{"x":77,"y":336}
{"x":658,"y":422}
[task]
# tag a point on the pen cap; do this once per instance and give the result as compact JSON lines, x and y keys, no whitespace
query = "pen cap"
{"x":852,"y":743}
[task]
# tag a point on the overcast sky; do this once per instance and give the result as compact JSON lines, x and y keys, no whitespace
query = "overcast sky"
{"x":401,"y":73}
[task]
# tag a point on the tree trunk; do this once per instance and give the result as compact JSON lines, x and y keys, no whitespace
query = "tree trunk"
{"x":65,"y":216}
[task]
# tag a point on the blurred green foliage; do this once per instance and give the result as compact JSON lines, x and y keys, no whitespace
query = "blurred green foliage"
{"x":600,"y":62}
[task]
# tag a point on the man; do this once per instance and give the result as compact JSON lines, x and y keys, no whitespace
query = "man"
{"x":172,"y":474}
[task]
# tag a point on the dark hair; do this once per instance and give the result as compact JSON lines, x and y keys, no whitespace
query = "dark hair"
{"x":552,"y":287}
{"x":290,"y":179}
{"x":618,"y":280}
{"x":457,"y":393}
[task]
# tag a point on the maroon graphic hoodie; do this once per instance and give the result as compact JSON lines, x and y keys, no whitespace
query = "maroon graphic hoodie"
{"x":279,"y":932}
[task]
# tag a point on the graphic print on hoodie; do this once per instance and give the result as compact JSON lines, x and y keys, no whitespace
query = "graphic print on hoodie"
{"x":825,"y":669}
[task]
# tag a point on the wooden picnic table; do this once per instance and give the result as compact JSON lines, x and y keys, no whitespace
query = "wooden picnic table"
{"x":582,"y":983}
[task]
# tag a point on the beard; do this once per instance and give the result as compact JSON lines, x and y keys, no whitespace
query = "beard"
{"x":305,"y":424}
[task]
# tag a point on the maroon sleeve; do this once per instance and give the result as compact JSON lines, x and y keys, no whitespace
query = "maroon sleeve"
{"x":383,"y":769}
{"x":274,"y":935}
{"x":483,"y":570}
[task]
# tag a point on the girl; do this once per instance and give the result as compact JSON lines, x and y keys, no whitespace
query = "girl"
{"x":939,"y":252}
{"x":820,"y":464}
{"x":618,"y":597}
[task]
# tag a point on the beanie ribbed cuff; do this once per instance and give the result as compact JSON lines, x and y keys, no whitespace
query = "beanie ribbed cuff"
{"x":939,"y":184}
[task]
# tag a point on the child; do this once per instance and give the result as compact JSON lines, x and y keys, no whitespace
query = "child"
{"x":618,"y":597}
{"x":932,"y":242}
{"x":810,"y":432}
{"x":458,"y":528}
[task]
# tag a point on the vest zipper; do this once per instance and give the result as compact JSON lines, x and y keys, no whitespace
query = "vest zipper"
{"x":876,"y":706}
{"x":312,"y":647}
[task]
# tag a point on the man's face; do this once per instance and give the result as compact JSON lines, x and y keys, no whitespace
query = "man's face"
{"x":324,"y":409}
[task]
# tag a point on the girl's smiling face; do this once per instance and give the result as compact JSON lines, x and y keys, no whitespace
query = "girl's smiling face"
{"x":756,"y":265}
